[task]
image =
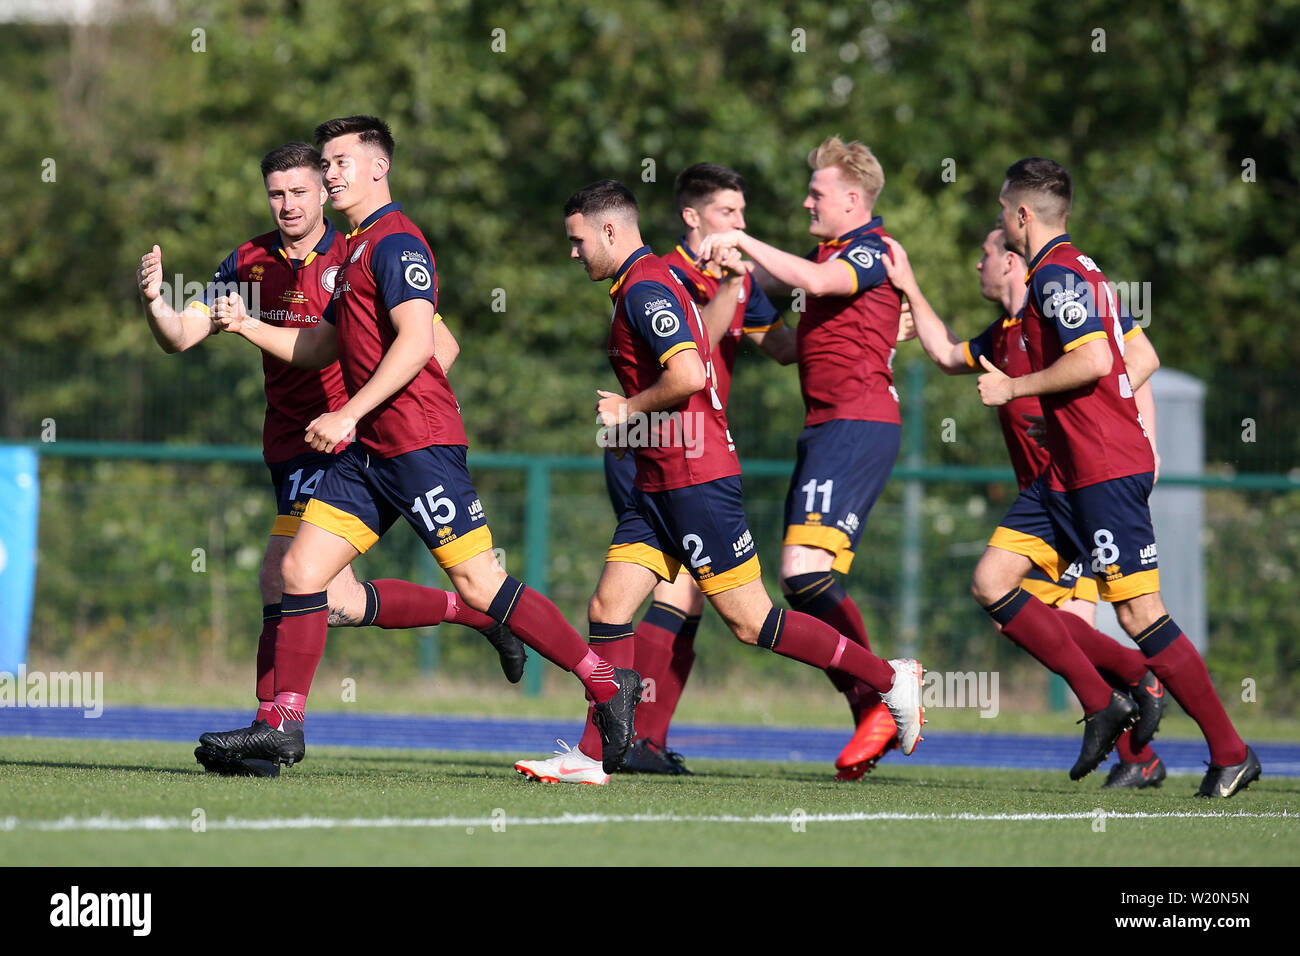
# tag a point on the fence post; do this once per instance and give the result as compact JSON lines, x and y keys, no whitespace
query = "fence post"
{"x":537,"y":536}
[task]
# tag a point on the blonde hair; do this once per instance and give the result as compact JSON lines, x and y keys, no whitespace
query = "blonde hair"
{"x":856,"y":163}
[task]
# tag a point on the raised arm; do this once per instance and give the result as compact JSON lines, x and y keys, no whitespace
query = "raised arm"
{"x":173,"y":331}
{"x":943,"y":346}
{"x":833,"y":277}
{"x":313,"y":347}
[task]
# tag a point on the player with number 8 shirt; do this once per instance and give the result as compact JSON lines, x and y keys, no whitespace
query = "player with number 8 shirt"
{"x":1093,"y":497}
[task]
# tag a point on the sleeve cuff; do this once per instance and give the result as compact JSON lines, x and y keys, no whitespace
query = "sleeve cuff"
{"x":679,"y":347}
{"x":1071,"y":346}
{"x":854,"y":272}
{"x":966,"y":353}
{"x":761,"y":329}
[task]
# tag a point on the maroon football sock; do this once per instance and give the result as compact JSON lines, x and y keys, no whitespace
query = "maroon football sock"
{"x":539,"y":624}
{"x":819,"y":594}
{"x":654,"y":658}
{"x":1124,"y":747}
{"x":1038,"y":629}
{"x":458,"y":612}
{"x":393,"y":603}
{"x":266,"y":657}
{"x":1182,"y":670}
{"x":1105,"y":652}
{"x":815,"y":642}
{"x":300,"y":642}
{"x":670,"y":687}
{"x":617,"y":649}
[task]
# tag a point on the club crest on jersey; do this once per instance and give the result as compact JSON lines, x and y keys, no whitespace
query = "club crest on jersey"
{"x":418,"y":277}
{"x":665,"y":323}
{"x":328,"y":277}
{"x":360,"y":249}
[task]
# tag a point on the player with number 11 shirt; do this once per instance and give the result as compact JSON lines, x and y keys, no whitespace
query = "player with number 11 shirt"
{"x":687,"y":509}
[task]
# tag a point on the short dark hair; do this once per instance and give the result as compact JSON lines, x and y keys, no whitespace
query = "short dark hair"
{"x":290,"y":156}
{"x":605,"y":196}
{"x":371,"y":129}
{"x":1047,"y":181}
{"x":696,"y":184}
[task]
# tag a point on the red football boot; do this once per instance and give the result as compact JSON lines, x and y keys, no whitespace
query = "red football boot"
{"x":876,"y":735}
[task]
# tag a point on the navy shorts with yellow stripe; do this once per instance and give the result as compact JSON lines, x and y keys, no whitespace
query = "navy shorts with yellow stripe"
{"x":1106,"y":525}
{"x":294,"y":482}
{"x":1076,"y":584}
{"x":841,"y":471}
{"x":699,"y":527}
{"x":363,"y":494}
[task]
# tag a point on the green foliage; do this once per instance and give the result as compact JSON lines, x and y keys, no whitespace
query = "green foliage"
{"x":157,"y":140}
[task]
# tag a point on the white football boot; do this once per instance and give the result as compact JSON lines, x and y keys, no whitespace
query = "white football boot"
{"x":567,"y":766}
{"x":904,"y":702}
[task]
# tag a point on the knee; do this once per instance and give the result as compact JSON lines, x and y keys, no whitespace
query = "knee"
{"x":269,"y":581}
{"x":296,"y":573}
{"x":478,"y":589}
{"x":985,"y":587}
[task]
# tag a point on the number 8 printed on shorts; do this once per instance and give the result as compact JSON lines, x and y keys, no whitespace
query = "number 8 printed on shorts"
{"x":1105,"y":551}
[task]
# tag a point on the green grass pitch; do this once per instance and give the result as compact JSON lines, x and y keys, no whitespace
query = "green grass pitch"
{"x":87,"y":803}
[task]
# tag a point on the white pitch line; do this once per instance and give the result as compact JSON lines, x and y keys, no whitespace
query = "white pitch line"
{"x":569,"y":819}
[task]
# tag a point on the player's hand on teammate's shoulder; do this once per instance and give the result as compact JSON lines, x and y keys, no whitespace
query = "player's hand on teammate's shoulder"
{"x":906,"y":326}
{"x":149,"y":276}
{"x":229,"y":313}
{"x":897,"y":266}
{"x":994,"y":385}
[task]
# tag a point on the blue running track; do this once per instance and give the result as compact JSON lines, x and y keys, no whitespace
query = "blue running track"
{"x":523,"y":737}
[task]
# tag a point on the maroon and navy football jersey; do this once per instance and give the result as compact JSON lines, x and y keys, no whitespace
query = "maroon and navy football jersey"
{"x":1093,"y":432}
{"x":1003,"y":344}
{"x":290,"y":294}
{"x":654,"y":319}
{"x":754,"y":312}
{"x":846,"y":343}
{"x":388,"y":263}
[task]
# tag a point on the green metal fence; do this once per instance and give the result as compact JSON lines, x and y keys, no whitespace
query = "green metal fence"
{"x":120,"y":521}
